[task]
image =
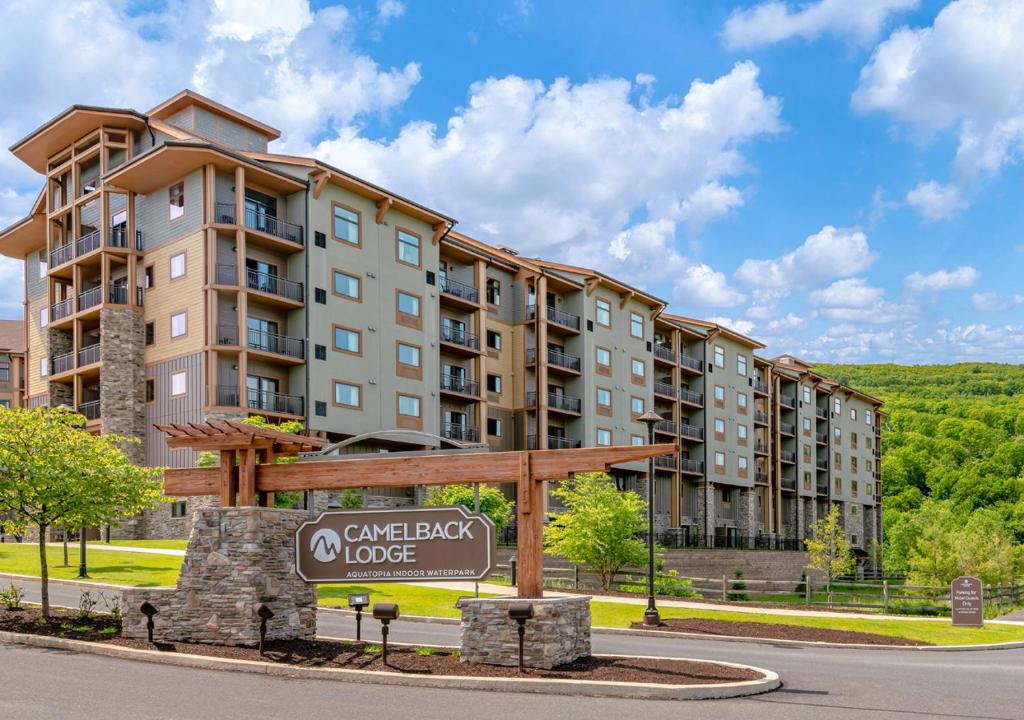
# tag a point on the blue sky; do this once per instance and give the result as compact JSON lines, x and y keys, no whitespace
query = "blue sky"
{"x":839,"y":179}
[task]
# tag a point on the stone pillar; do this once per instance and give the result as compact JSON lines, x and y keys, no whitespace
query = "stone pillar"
{"x":123,"y":379}
{"x":705,"y":519}
{"x":237,"y":559}
{"x":559,"y":632}
{"x":800,"y":515}
{"x":59,"y":342}
{"x":746,"y":523}
{"x":810,"y":516}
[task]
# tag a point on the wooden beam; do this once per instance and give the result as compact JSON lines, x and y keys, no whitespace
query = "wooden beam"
{"x":438,"y":229}
{"x":383,"y":205}
{"x":235,"y":442}
{"x":320,"y":182}
{"x":227,"y":478}
{"x":559,"y":464}
{"x":592,"y":284}
{"x":530,"y":524}
{"x":625,"y":299}
{"x":246,"y":478}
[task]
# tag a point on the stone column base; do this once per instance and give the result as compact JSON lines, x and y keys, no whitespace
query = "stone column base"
{"x":558,"y":633}
{"x":237,"y":559}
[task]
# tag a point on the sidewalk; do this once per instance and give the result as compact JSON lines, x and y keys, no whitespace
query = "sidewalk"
{"x":73,"y":547}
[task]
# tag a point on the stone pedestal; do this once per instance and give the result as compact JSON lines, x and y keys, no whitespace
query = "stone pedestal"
{"x":558,"y":633}
{"x":237,"y":559}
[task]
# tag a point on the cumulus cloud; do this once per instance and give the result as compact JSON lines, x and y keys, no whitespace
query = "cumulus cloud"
{"x":388,"y":10}
{"x":701,"y":286}
{"x":993,"y":302}
{"x":829,"y":253}
{"x":854,"y":301}
{"x":743,"y":327}
{"x":770,"y":22}
{"x":962,"y":277}
{"x":850,"y":293}
{"x":934,"y":201}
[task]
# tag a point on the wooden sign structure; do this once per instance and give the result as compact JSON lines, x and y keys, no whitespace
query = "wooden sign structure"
{"x":528,"y":469}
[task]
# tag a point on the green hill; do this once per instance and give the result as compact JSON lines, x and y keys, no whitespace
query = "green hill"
{"x":953,"y":461}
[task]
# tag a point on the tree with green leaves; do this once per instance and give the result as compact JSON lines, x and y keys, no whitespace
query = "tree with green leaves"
{"x":493,"y":503}
{"x":53,"y":472}
{"x":599,"y":527}
{"x":829,"y":550}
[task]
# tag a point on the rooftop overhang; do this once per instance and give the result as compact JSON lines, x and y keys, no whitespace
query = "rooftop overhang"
{"x":25,"y":235}
{"x":188,"y":98}
{"x":385,"y":199}
{"x":71,"y":125}
{"x":172,"y":160}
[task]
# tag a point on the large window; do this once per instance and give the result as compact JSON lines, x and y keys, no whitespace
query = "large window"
{"x":741,"y":365}
{"x":604,"y":312}
{"x":807,"y":394}
{"x":741,"y":432}
{"x":636,"y":325}
{"x":494,"y":427}
{"x":179,"y":325}
{"x":408,"y":355}
{"x":493,"y":291}
{"x":639,"y":369}
{"x":407,"y":248}
{"x":346,"y":225}
{"x":604,"y":437}
{"x":408,"y":304}
{"x":720,"y":460}
{"x":347,"y":394}
{"x":720,"y":427}
{"x":493,"y":340}
{"x":604,"y":397}
{"x":719,"y":395}
{"x":176,"y":200}
{"x":409,"y":406}
{"x":741,"y":463}
{"x":179,"y":383}
{"x":719,"y":356}
{"x":347,"y":286}
{"x":838,"y":406}
{"x":603,"y":357}
{"x":347,"y":340}
{"x":177,"y":266}
{"x":494,"y":383}
{"x":741,"y":401}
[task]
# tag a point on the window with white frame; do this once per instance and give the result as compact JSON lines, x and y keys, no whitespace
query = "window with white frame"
{"x":636,"y":440}
{"x":636,"y":325}
{"x":179,"y":383}
{"x":409,"y":406}
{"x":176,"y":200}
{"x":719,"y":459}
{"x":639,"y":368}
{"x":807,"y":393}
{"x":741,"y":365}
{"x":408,"y":355}
{"x":741,"y":432}
{"x":604,"y":312}
{"x":604,"y":397}
{"x":719,"y":426}
{"x":44,"y":366}
{"x":44,"y":317}
{"x":177,"y":266}
{"x":838,"y":406}
{"x":179,"y":324}
{"x":741,"y":462}
{"x":719,"y":356}
{"x":347,"y":394}
{"x":604,"y":437}
{"x":408,"y":248}
{"x":603,"y":357}
{"x":741,"y":400}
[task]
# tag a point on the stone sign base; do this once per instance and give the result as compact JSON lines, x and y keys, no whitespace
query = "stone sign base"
{"x":237,"y":559}
{"x":558,"y":633}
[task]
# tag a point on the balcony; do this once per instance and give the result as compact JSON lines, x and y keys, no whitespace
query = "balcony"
{"x":787,"y":456}
{"x":760,"y":448}
{"x":691,"y":467}
{"x":822,"y":487}
{"x":788,"y":483}
{"x":821,"y":438}
{"x":89,"y":354}
{"x":786,"y":428}
{"x":227,"y":395}
{"x":272,"y":402}
{"x":118,"y":238}
{"x":691,"y":364}
{"x":691,"y":432}
{"x":556,"y":358}
{"x":459,"y":431}
{"x":787,"y":401}
{"x":467,"y":294}
{"x":555,"y":442}
{"x":117,"y":295}
{"x":86,"y":244}
{"x":261,"y":222}
{"x":690,"y":397}
{"x":558,"y":402}
{"x":61,"y":310}
{"x":665,"y":426}
{"x":90,"y":298}
{"x":62,"y":363}
{"x":274,"y":285}
{"x":761,"y":478}
{"x":821,"y":464}
{"x":665,"y":462}
{"x":460,"y":385}
{"x":760,"y":388}
{"x":664,"y":353}
{"x":63,"y":254}
{"x":227,"y":335}
{"x":90,"y":410}
{"x":269,"y":342}
{"x":760,"y":418}
{"x":665,"y":390}
{"x":821,"y":413}
{"x":455,"y":336}
{"x":559,"y":318}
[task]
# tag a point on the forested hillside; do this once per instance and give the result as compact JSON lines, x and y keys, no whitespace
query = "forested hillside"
{"x":952,"y":464}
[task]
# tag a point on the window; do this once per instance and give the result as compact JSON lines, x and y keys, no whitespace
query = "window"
{"x":147,"y":282}
{"x":636,"y":325}
{"x":853,"y":440}
{"x":5,"y":372}
{"x":719,"y":394}
{"x":720,"y":459}
{"x":837,"y":460}
{"x":867,"y":417}
{"x":807,"y":453}
{"x":853,"y":490}
{"x":319,"y":296}
{"x":407,"y":248}
{"x":320,"y":351}
{"x":741,"y":432}
{"x":838,"y":406}
{"x":150,"y":390}
{"x":494,"y":427}
{"x":176,"y":200}
{"x":409,"y":405}
{"x":44,"y":317}
{"x":493,"y":291}
{"x":807,"y":426}
{"x":177,"y":266}
{"x":604,"y":313}
{"x":603,"y":357}
{"x":604,"y":397}
{"x":741,"y":463}
{"x":44,"y":366}
{"x":867,"y":441}
{"x":347,"y":341}
{"x":348,"y":395}
{"x":604,"y":437}
{"x":853,"y":464}
{"x":741,"y":365}
{"x":408,"y":304}
{"x":42,"y":265}
{"x":838,"y":433}
{"x":868,"y":490}
{"x":839,"y":486}
{"x":719,"y":427}
{"x":639,"y":368}
{"x":493,"y":383}
{"x":853,"y":414}
{"x":408,"y":355}
{"x":636,"y":440}
{"x":178,"y":509}
{"x":150,"y":333}
{"x":807,"y":393}
{"x":636,"y":406}
{"x":346,"y":225}
{"x":494,"y":340}
{"x":179,"y":383}
{"x":348,"y":286}
{"x":719,"y":356}
{"x":741,"y":401}
{"x":179,"y":324}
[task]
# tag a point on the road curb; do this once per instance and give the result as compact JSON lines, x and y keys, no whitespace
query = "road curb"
{"x":639,"y":691}
{"x":68,"y":581}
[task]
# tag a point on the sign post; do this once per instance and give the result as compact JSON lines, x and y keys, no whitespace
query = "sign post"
{"x":966,"y":598}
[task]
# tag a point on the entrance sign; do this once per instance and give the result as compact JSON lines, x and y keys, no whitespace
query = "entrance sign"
{"x":439,"y":543}
{"x":967,"y":600}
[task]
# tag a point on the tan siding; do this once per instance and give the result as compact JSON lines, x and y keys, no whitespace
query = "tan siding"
{"x":37,"y":346}
{"x":167,"y":298}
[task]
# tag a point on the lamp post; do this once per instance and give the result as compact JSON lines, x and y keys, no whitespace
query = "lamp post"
{"x":651,"y":616}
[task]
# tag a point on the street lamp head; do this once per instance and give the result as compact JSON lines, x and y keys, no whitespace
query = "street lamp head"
{"x":649,"y":418}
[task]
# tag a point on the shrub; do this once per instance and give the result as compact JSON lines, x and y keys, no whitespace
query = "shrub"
{"x":668,"y":583}
{"x":425,"y":651}
{"x":12,"y":597}
{"x":86,"y":604}
{"x":738,"y":586}
{"x":371,"y":649}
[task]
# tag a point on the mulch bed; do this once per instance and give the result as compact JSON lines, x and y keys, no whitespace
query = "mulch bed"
{"x":63,"y":623}
{"x":776,"y":632}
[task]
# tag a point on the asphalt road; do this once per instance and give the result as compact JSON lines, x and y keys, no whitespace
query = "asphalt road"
{"x":819,"y":682}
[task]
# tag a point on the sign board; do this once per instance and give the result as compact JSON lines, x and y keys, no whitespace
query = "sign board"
{"x":388,"y":545}
{"x":967,"y":600}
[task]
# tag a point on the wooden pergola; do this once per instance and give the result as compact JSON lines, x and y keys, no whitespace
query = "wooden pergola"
{"x":527,"y":469}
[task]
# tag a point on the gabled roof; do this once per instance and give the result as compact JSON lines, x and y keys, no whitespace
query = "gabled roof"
{"x":12,"y":336}
{"x":67,"y":127}
{"x":715,"y":329}
{"x":187,"y":97}
{"x":25,"y":235}
{"x":599,"y":277}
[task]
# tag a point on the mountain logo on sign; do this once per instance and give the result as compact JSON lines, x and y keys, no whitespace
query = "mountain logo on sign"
{"x":325,"y":545}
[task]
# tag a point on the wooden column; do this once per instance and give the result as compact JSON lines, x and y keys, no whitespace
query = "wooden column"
{"x":541,"y":334}
{"x":530,"y":530}
{"x":247,"y":477}
{"x":228,"y":478}
{"x":266,"y":457}
{"x":242,"y":302}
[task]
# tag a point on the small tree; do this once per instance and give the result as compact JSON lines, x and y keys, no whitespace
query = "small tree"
{"x":53,"y":472}
{"x":351,"y":499}
{"x":738,"y":588}
{"x":829,"y":549}
{"x":493,"y":503}
{"x":598,"y":527}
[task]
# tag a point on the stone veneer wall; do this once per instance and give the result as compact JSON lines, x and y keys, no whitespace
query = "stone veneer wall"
{"x":706,"y":503}
{"x":558,"y":633}
{"x":58,"y":343}
{"x":853,"y":523}
{"x":237,"y":559}
{"x":746,"y":520}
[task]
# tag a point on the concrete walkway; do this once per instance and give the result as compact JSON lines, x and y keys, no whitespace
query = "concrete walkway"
{"x":73,"y":548}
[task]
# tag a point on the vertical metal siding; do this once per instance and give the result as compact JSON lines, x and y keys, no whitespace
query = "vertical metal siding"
{"x":165,"y":409}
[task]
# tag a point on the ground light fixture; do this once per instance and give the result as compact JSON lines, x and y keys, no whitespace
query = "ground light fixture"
{"x":521,"y":612}
{"x":357,"y":603}
{"x":385,"y":612}
{"x":149,"y":611}
{"x":264,"y":613}
{"x":651,"y":616}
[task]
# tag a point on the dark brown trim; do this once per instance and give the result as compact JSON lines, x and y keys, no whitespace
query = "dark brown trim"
{"x":412,"y":372}
{"x":408,"y":422}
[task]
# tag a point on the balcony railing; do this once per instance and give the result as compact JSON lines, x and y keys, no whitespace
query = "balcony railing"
{"x":666,"y":461}
{"x":227,"y":275}
{"x":761,"y":478}
{"x":821,"y":413}
{"x":459,"y":384}
{"x":691,"y":431}
{"x":87,"y":243}
{"x":62,"y":363}
{"x":558,"y":401}
{"x":274,"y":343}
{"x":63,"y":254}
{"x":787,"y":456}
{"x":90,"y":298}
{"x":274,"y":285}
{"x":119,"y":237}
{"x":667,"y":426}
{"x":787,"y":428}
{"x":555,"y":357}
{"x":454,"y":288}
{"x":787,"y":401}
{"x":665,"y":353}
{"x":554,"y":443}
{"x":559,"y":317}
{"x":821,"y":464}
{"x":275,"y":402}
{"x":691,"y":466}
{"x":89,"y":354}
{"x":457,"y":336}
{"x":761,"y":448}
{"x":227,"y":334}
{"x":458,"y":431}
{"x":227,"y":395}
{"x":691,"y":397}
{"x":117,"y":295}
{"x":661,"y":388}
{"x":822,"y":488}
{"x":691,"y":362}
{"x":821,"y":438}
{"x":760,"y":388}
{"x":91,"y":409}
{"x":61,"y":310}
{"x":788,"y":483}
{"x":760,"y":418}
{"x":255,"y":220}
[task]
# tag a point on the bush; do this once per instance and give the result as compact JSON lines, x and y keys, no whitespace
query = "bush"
{"x":668,"y":583}
{"x":424,"y":651}
{"x":12,"y":597}
{"x":86,"y":604}
{"x":738,"y":586}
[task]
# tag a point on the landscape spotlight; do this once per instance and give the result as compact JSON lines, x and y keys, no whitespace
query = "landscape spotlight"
{"x":521,"y":612}
{"x":385,"y":612}
{"x":149,"y":611}
{"x":357,"y":603}
{"x":264,"y":614}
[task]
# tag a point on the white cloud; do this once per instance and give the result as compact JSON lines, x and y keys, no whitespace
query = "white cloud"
{"x":849,"y":293}
{"x":853,"y":301}
{"x":702,"y":286}
{"x":962,"y":277}
{"x":743,"y":327}
{"x":829,"y":253}
{"x":993,"y":302}
{"x":388,"y":10}
{"x":770,"y":22}
{"x":978,"y":340}
{"x":12,"y":287}
{"x":934,"y":201}
{"x":245,"y":20}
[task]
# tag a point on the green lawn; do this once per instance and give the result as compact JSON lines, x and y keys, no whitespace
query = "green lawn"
{"x":110,"y":566}
{"x":155,"y":544}
{"x":412,"y":599}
